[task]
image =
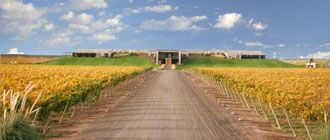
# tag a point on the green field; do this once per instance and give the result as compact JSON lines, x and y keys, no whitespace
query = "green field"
{"x":116,"y":61}
{"x":221,"y":62}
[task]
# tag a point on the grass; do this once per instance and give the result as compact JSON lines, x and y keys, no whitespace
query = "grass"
{"x":325,"y":135}
{"x":116,"y":61}
{"x":15,"y":127}
{"x":221,"y":62}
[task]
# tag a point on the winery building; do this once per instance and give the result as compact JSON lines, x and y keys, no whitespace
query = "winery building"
{"x":170,"y":56}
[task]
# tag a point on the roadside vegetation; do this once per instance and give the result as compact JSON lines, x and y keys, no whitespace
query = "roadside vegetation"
{"x":17,"y":115}
{"x":221,"y":62}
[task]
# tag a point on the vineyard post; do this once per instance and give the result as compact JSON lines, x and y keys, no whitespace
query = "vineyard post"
{"x":288,"y":120}
{"x":217,"y":85}
{"x":233,"y":92}
{"x":82,"y":106}
{"x":241,"y":99}
{"x":263,"y":111}
{"x":89,"y":102}
{"x":246,"y":102}
{"x":73,"y":111}
{"x":222,"y":89}
{"x":254,"y":106}
{"x":326,"y":124}
{"x":305,"y":125}
{"x":65,"y":108}
{"x":228,"y":94}
{"x":113,"y":90}
{"x":47,"y":123}
{"x":277,"y":122}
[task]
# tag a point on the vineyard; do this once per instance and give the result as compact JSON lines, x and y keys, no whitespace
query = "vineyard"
{"x":303,"y":93}
{"x":61,"y":85}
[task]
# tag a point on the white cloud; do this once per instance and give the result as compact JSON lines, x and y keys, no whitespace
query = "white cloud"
{"x":256,"y":25}
{"x":14,"y":51}
{"x":87,"y":4}
{"x":101,"y":13}
{"x":104,"y":36}
{"x":158,"y":1}
{"x":319,"y":55}
{"x":79,"y":21}
{"x":83,"y":19}
{"x":83,"y":26}
{"x":105,"y":31}
{"x":80,"y":27}
{"x":62,"y":39}
{"x":174,"y":23}
{"x":157,"y":9}
{"x":49,"y":27}
{"x":258,"y":44}
{"x":67,"y":16}
{"x":227,"y":21}
{"x":326,"y":46}
{"x":281,"y":45}
{"x":20,"y":18}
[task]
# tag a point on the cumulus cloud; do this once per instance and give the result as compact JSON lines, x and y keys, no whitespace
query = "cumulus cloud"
{"x":82,"y":18}
{"x":20,"y":18}
{"x":67,"y":16}
{"x":174,"y":23}
{"x":319,"y":55}
{"x":325,"y":45}
{"x":157,"y":9}
{"x":62,"y":39}
{"x":256,"y":25}
{"x":104,"y":31}
{"x":87,"y":4}
{"x":104,"y":36}
{"x":49,"y":27}
{"x":227,"y":21}
{"x":258,"y":44}
{"x":83,"y":27}
{"x":14,"y":51}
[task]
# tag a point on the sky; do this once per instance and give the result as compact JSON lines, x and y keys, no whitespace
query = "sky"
{"x":279,"y":28}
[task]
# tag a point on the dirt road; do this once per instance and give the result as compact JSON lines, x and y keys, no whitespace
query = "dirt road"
{"x":168,"y":106}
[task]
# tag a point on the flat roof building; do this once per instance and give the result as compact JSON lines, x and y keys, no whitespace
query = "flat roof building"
{"x":171,"y":56}
{"x":244,"y":54}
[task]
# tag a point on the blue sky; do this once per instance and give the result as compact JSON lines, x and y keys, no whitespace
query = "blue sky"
{"x":281,"y":28}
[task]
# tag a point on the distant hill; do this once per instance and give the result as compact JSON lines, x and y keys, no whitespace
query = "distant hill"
{"x":115,"y":61}
{"x":26,"y":59}
{"x":221,"y":62}
{"x":323,"y":63}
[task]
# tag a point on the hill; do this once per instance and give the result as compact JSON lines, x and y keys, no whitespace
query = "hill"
{"x":26,"y":59}
{"x":322,"y":63}
{"x":221,"y":62}
{"x":115,"y":61}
